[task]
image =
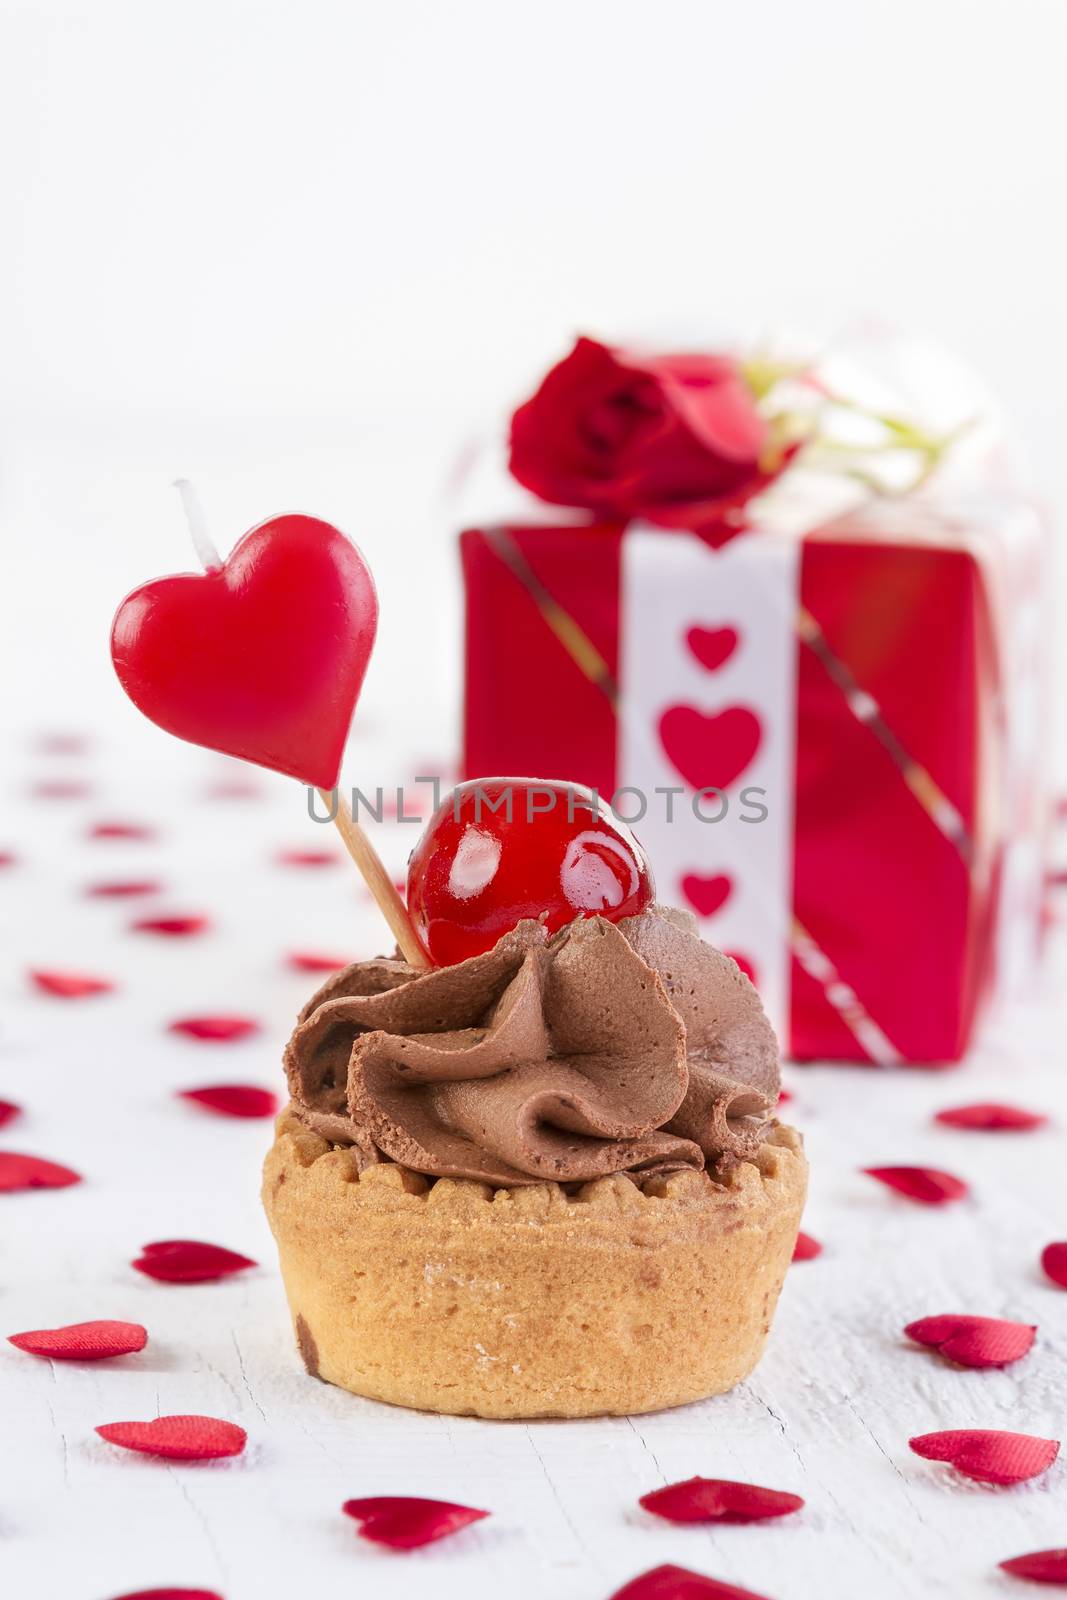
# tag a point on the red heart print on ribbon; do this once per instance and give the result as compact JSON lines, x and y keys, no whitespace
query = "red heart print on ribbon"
{"x":712,"y":647}
{"x":707,"y":895}
{"x":710,"y":751}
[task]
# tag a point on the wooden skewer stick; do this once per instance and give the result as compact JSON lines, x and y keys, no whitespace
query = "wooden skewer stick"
{"x":378,"y":881}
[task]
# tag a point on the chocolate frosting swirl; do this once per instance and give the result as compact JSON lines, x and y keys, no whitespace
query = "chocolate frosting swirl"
{"x":603,"y":1049}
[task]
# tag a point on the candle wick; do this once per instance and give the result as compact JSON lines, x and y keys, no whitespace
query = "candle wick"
{"x":203,"y":543}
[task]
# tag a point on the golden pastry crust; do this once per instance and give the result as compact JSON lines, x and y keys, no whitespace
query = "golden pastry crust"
{"x":451,"y":1296}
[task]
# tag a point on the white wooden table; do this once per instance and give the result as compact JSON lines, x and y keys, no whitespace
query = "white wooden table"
{"x":828,"y":1414}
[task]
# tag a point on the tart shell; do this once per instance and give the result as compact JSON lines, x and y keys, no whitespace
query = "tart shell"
{"x":615,"y":1297}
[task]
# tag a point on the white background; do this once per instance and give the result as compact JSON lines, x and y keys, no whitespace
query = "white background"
{"x":306,"y":254}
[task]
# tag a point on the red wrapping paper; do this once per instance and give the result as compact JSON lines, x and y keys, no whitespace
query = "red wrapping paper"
{"x":907,"y":777}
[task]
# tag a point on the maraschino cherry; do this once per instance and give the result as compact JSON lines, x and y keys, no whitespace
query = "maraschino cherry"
{"x":497,"y":850}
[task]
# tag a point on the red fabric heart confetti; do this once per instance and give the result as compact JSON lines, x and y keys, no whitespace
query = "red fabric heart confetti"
{"x":234,"y":1099}
{"x":405,"y":1522}
{"x":8,"y":858}
{"x":173,"y":927}
{"x":83,"y":1341}
{"x":63,"y":744}
{"x":1054,"y":1261}
{"x":8,"y":1112}
{"x":217,"y":1029}
{"x":233,"y":789}
{"x":991,"y":1116}
{"x":718,"y":1500}
{"x":311,"y":961}
{"x":171,"y":1594}
{"x":70,"y":985}
{"x":307,"y":858}
{"x":189,"y":1261}
{"x":806,"y":1248}
{"x":989,"y":1455}
{"x":747,"y":965}
{"x":179,"y":1438}
{"x":1040,"y":1566}
{"x":974,"y":1341}
{"x":18,"y":1171}
{"x":61,"y":789}
{"x":123,"y":888}
{"x":925,"y":1184}
{"x":136,"y":831}
{"x":678,"y":1583}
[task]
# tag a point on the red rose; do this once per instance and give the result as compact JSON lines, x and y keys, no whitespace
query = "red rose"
{"x":676,"y":439}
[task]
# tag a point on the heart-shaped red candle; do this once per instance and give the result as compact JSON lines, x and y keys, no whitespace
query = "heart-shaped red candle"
{"x":262,"y":657}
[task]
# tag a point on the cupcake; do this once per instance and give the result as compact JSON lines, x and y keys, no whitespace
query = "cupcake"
{"x":545,"y":1180}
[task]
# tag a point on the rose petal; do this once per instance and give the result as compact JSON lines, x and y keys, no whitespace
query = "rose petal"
{"x":309,"y":961}
{"x":989,"y":1455}
{"x":1054,"y":1261}
{"x":175,"y":927}
{"x":171,"y":1594}
{"x":991,"y":1116}
{"x":8,"y":1112}
{"x":189,"y":1261}
{"x":926,"y":1184}
{"x":234,"y":1099}
{"x":1040,"y":1566}
{"x":405,"y":1522}
{"x":178,"y":1438}
{"x":974,"y":1341}
{"x":8,"y":858}
{"x":806,"y":1248}
{"x":784,"y":1096}
{"x":678,"y":1583}
{"x":718,"y":1500}
{"x":18,"y":1171}
{"x":70,"y":985}
{"x":219,"y":1029}
{"x":122,"y":889}
{"x":82,"y":1341}
{"x":121,"y":830}
{"x":307,"y":858}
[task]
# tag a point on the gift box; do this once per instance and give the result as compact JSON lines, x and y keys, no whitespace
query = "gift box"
{"x":826,"y":730}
